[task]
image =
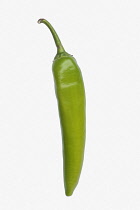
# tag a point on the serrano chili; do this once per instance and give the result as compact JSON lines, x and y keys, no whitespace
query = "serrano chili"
{"x":70,"y":93}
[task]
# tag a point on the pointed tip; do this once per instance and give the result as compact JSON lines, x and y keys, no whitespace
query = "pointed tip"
{"x":69,"y":190}
{"x":68,"y":193}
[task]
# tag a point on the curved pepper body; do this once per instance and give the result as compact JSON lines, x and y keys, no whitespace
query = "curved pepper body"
{"x":70,"y":94}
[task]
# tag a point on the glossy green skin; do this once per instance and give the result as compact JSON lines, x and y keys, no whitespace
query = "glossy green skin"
{"x":70,"y":94}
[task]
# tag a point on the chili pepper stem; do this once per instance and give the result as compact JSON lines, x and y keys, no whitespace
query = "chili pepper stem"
{"x":60,"y":48}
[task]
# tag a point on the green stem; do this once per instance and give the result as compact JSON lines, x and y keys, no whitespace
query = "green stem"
{"x":60,"y":48}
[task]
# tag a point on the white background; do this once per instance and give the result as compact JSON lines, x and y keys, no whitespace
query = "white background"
{"x":104,"y":37}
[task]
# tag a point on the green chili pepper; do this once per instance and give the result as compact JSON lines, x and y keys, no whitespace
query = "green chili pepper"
{"x":70,"y":93}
